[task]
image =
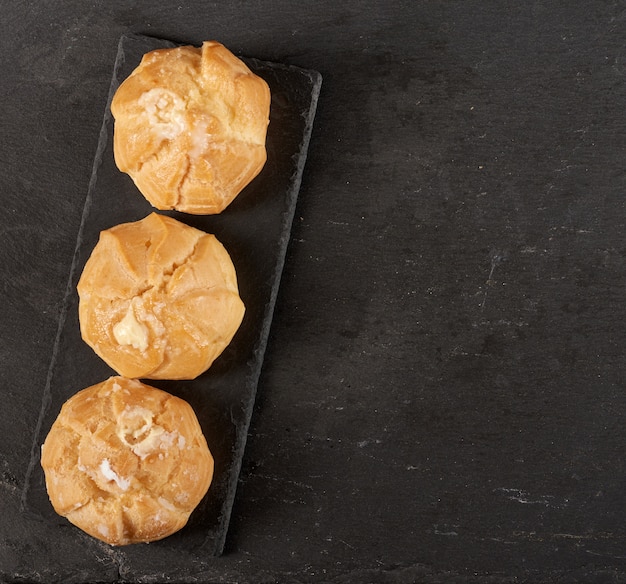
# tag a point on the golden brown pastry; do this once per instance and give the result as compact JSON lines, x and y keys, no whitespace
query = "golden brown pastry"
{"x":158,"y":299}
{"x":126,"y":462}
{"x":190,"y":127}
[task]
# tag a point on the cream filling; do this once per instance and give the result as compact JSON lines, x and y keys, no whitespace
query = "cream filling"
{"x":138,"y":431}
{"x":200,"y":140}
{"x":110,"y":475}
{"x":131,"y":332}
{"x":165,"y":111}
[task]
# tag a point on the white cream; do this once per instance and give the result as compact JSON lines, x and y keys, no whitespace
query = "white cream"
{"x":110,"y":475}
{"x":136,"y":428}
{"x":200,"y":140}
{"x":165,"y":111}
{"x":149,"y":444}
{"x":131,"y":332}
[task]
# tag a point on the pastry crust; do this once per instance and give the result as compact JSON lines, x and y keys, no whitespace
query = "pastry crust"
{"x":190,"y":127}
{"x":126,"y":462}
{"x":159,"y":299}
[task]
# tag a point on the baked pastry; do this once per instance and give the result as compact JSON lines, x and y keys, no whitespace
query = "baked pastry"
{"x":158,"y":299}
{"x":126,"y":462}
{"x":190,"y":127}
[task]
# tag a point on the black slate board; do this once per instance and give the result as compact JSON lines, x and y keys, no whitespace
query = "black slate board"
{"x":255,"y":229}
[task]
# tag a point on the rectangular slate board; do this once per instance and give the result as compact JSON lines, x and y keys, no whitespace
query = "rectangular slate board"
{"x":255,"y":229}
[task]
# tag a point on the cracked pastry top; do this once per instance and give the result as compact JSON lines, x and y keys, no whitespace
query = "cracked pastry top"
{"x":158,"y":299}
{"x":190,"y":127}
{"x":126,"y":462}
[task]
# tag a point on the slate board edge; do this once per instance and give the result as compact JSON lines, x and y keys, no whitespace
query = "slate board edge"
{"x":316,"y":80}
{"x":69,"y":288}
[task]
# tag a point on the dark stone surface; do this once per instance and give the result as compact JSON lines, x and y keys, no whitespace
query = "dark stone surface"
{"x":443,"y":390}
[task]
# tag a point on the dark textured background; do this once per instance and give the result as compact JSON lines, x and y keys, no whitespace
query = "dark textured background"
{"x":443,"y":393}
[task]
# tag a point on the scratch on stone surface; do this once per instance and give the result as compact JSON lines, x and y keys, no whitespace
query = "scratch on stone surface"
{"x":7,"y":481}
{"x":501,"y":540}
{"x":282,"y":480}
{"x":525,"y":498}
{"x":613,"y":557}
{"x":529,"y":249}
{"x":8,"y":485}
{"x":575,"y":537}
{"x":364,"y":443}
{"x":496,"y":258}
{"x":445,"y":531}
{"x":346,"y":543}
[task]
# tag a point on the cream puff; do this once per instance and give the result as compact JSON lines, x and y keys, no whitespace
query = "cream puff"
{"x":158,"y":299}
{"x":126,"y":462}
{"x":190,"y":127}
